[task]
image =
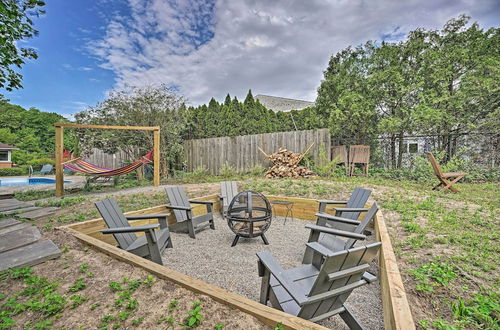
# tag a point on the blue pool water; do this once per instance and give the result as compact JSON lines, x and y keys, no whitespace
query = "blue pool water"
{"x":5,"y":182}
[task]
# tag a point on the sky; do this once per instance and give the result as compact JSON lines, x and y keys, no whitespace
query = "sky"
{"x":209,"y":48}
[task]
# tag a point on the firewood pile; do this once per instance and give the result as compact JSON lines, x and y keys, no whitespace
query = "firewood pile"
{"x":285,"y":164}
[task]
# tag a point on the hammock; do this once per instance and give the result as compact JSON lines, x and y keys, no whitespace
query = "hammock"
{"x":81,"y":166}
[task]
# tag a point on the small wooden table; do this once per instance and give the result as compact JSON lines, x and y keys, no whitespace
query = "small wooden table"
{"x":288,"y":205}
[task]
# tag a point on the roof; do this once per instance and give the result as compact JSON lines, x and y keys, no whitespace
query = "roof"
{"x":276,"y":103}
{"x":6,"y":146}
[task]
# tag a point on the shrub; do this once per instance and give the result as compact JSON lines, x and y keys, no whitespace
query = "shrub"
{"x":13,"y":171}
{"x":41,"y":161}
{"x":257,"y":170}
{"x":228,"y":172}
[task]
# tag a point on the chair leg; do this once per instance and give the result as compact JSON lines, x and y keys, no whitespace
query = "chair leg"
{"x":264,"y":239}
{"x":191,"y":229}
{"x":154,"y":250}
{"x":212,"y":224}
{"x":350,"y":320}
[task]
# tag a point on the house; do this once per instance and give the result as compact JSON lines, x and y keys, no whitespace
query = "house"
{"x":5,"y":155}
{"x":276,"y":103}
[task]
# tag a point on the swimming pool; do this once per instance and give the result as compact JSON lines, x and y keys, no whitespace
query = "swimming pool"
{"x":6,"y":182}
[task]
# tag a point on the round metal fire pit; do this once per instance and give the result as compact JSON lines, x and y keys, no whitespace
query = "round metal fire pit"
{"x":249,"y":215}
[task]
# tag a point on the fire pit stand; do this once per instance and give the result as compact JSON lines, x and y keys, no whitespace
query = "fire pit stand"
{"x":249,"y":215}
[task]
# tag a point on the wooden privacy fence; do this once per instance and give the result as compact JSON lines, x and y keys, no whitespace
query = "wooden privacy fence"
{"x":242,"y":153}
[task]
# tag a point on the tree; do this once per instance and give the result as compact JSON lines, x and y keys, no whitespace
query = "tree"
{"x":345,"y":102}
{"x":137,"y":106}
{"x":16,"y":25}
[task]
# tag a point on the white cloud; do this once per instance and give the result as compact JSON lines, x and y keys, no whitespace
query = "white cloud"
{"x":273,"y":47}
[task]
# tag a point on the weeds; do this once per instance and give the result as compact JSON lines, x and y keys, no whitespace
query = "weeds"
{"x":194,"y":316}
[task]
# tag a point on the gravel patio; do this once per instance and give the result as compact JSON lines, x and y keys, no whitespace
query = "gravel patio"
{"x":211,"y":258}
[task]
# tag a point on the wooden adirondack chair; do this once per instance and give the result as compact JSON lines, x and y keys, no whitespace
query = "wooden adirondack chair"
{"x":444,"y":177}
{"x":186,"y":222}
{"x":148,"y":246}
{"x":317,"y":291}
{"x":328,"y":238}
{"x":228,"y":189}
{"x":353,"y":207}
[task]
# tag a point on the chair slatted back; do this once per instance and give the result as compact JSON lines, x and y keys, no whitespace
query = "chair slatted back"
{"x":345,"y":260}
{"x":362,"y":226}
{"x":228,"y":190}
{"x":358,"y":199}
{"x":435,"y":166}
{"x":177,"y":197}
{"x":46,"y":168}
{"x":114,"y":218}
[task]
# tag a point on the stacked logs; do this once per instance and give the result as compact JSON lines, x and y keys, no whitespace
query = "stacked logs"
{"x":285,"y":164}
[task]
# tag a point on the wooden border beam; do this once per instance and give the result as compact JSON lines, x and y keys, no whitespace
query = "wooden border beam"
{"x":136,"y":128}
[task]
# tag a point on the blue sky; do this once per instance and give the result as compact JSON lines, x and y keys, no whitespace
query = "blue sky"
{"x":211,"y":48}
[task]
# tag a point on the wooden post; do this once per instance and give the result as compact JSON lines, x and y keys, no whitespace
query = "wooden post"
{"x":156,"y":157}
{"x":59,"y":159}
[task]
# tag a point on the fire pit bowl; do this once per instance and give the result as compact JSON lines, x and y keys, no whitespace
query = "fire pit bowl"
{"x":249,"y":215}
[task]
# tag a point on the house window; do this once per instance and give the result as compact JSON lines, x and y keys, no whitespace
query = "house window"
{"x":413,"y":148}
{"x":4,"y":156}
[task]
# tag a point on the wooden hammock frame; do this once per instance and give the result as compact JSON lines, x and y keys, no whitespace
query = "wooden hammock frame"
{"x":60,"y":147}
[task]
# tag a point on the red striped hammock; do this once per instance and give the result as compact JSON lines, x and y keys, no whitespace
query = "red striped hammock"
{"x":81,"y":166}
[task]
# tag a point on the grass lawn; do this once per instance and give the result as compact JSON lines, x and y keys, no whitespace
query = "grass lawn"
{"x":447,"y":244}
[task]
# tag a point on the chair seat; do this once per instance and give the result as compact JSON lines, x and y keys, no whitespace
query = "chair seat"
{"x":453,"y":174}
{"x":140,"y":245}
{"x":332,"y":243}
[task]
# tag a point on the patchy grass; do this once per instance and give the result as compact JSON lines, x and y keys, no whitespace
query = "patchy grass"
{"x":446,"y":244}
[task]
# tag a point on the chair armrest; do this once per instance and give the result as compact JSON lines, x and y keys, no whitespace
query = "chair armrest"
{"x":350,"y":209}
{"x":335,"y":232}
{"x":147,"y":216}
{"x":337,"y":219}
{"x":202,"y":202}
{"x":267,"y":261}
{"x":131,"y":229}
{"x":174,"y":207}
{"x":322,"y":201}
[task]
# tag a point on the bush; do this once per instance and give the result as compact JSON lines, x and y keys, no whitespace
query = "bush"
{"x":14,"y":171}
{"x":41,"y":161}
{"x":257,"y":170}
{"x":228,"y":172}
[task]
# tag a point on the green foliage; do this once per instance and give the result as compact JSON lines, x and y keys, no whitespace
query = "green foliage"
{"x":194,"y":316}
{"x":442,"y":83}
{"x":77,"y":300}
{"x":150,"y":280}
{"x":218,"y":326}
{"x":78,"y":285}
{"x":279,"y":326}
{"x":146,"y":106}
{"x":481,"y":311}
{"x":16,"y":26}
{"x":13,"y":171}
{"x":434,"y":273}
{"x":62,"y":202}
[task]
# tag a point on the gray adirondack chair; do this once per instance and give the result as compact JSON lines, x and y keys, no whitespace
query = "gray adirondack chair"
{"x":228,"y":189}
{"x":317,"y":291}
{"x":353,"y":206}
{"x":148,"y":246}
{"x":332,"y":238}
{"x":186,"y":222}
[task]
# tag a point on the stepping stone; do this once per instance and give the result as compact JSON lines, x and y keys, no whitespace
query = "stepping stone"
{"x":25,"y":209}
{"x":6,"y":196}
{"x":29,"y":255}
{"x":36,"y":214}
{"x":15,"y":206}
{"x":9,"y":229}
{"x":19,"y":238}
{"x":8,"y":222}
{"x":8,"y":201}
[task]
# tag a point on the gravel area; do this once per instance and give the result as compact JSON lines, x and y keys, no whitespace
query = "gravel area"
{"x":211,"y":258}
